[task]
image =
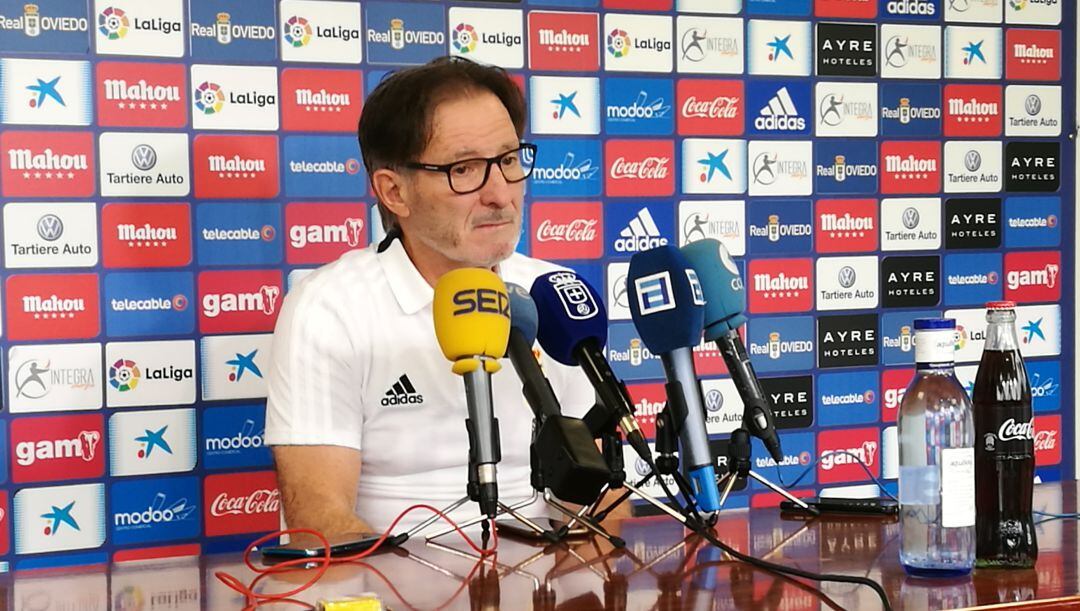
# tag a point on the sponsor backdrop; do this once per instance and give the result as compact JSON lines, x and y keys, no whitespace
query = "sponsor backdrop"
{"x":169,"y":169}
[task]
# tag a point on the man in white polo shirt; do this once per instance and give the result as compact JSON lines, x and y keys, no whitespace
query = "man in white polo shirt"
{"x":363,"y":413}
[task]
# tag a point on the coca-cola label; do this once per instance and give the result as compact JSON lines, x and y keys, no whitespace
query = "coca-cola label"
{"x":1047,"y":440}
{"x":710,"y":107}
{"x":241,"y":503}
{"x":564,"y":230}
{"x":640,"y":168}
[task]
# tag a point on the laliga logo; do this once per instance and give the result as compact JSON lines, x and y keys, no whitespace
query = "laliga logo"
{"x":124,"y":375}
{"x":296,"y":31}
{"x":209,"y":98}
{"x":577,"y":301}
{"x":113,"y":23}
{"x":618,"y":43}
{"x":465,"y":38}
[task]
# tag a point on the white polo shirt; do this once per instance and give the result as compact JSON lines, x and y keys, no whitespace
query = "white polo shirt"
{"x":355,"y":363}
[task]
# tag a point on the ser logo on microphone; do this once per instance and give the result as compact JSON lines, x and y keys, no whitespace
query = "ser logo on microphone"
{"x":483,"y":301}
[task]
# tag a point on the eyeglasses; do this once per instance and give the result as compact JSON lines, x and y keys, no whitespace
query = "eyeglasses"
{"x":470,"y":175}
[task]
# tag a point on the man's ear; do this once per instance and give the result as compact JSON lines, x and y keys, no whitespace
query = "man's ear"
{"x":392,"y":189}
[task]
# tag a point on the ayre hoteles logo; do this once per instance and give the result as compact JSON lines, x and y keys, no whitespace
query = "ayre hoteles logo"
{"x":847,"y":340}
{"x":561,"y":41}
{"x":229,"y":167}
{"x":239,"y":302}
{"x":566,"y":230}
{"x":58,"y":518}
{"x":396,"y":35}
{"x":792,"y":400}
{"x":491,"y":36}
{"x":1032,"y":166}
{"x":320,"y":32}
{"x":637,"y":43}
{"x":973,"y":223}
{"x":57,"y":448}
{"x":847,"y":49}
{"x":54,"y":377}
{"x":234,"y":97}
{"x":320,"y":100}
{"x":62,"y":234}
{"x":57,"y":27}
{"x":129,"y":95}
{"x":911,"y":282}
{"x":45,"y":92}
{"x":129,"y":27}
{"x":52,"y":306}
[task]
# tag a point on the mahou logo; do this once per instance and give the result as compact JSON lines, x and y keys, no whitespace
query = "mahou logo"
{"x":1047,"y":440}
{"x":648,"y":401}
{"x":237,"y":503}
{"x":781,"y":285}
{"x":47,"y":164}
{"x":910,"y":167}
{"x":1033,"y":55}
{"x":710,"y":107}
{"x":846,"y":225}
{"x":564,"y":41}
{"x":972,"y":110}
{"x":53,"y":306}
{"x":320,"y":100}
{"x":239,"y":301}
{"x":57,"y":448}
{"x":1033,"y":276}
{"x":129,"y":95}
{"x":320,"y":233}
{"x":229,"y":167}
{"x":146,"y":235}
{"x":894,"y":383}
{"x":839,"y":453}
{"x":567,"y":230}
{"x":640,"y":168}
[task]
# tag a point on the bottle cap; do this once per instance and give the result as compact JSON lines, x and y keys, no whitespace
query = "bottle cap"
{"x":934,"y":323}
{"x":1001,"y":305}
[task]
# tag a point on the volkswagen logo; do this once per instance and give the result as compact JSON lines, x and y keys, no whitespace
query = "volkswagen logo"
{"x":641,"y":466}
{"x":910,"y":218}
{"x":1033,"y":105}
{"x":846,"y":276}
{"x":714,"y":400}
{"x":972,"y":161}
{"x":144,"y":157}
{"x":50,"y":227}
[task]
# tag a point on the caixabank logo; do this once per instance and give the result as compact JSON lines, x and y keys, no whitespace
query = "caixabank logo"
{"x":911,"y":282}
{"x":320,"y":100}
{"x":564,"y":105}
{"x":149,"y":303}
{"x":566,"y":230}
{"x":1033,"y":110}
{"x":1033,"y":276}
{"x":239,"y":302}
{"x":713,"y":166}
{"x":567,"y":168}
{"x":847,"y":340}
{"x":144,"y":165}
{"x":233,"y":437}
{"x":848,"y":398}
{"x":911,"y":224}
{"x":155,"y":510}
{"x":972,"y":167}
{"x":710,"y":107}
{"x":62,"y":234}
{"x":45,"y":92}
{"x":709,"y":45}
{"x":973,"y":223}
{"x":630,"y":358}
{"x":129,"y":95}
{"x":240,"y":167}
{"x":1032,"y":222}
{"x":145,"y":235}
{"x":972,"y":279}
{"x":323,"y":32}
{"x":141,"y":374}
{"x":57,"y":448}
{"x":234,"y":97}
{"x":847,"y":49}
{"x":58,"y":518}
{"x":780,"y":285}
{"x":561,"y":41}
{"x":155,"y":441}
{"x":238,"y":234}
{"x":781,"y":343}
{"x":233,"y":366}
{"x":54,"y":306}
{"x":847,"y":283}
{"x":780,"y":226}
{"x":910,"y":51}
{"x":53,"y":27}
{"x":972,"y":52}
{"x":911,"y":109}
{"x":395,"y":35}
{"x":1032,"y":55}
{"x":846,"y":167}
{"x":637,"y":43}
{"x":781,"y":48}
{"x":237,"y":503}
{"x":47,"y":164}
{"x":639,"y":168}
{"x":635,"y":227}
{"x":792,"y":400}
{"x":129,"y":27}
{"x":490,"y":36}
{"x":846,"y":225}
{"x":638,"y":107}
{"x":898,"y":336}
{"x":54,"y":377}
{"x":317,"y":233}
{"x":973,"y":110}
{"x":842,"y":454}
{"x":232,"y":30}
{"x":323,"y":166}
{"x":778,"y":107}
{"x":1032,"y":166}
{"x":910,"y":167}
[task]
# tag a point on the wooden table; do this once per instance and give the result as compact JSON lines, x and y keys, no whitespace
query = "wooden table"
{"x":660,"y":569}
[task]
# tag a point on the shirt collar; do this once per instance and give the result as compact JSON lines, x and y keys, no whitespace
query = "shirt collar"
{"x":412,"y":292}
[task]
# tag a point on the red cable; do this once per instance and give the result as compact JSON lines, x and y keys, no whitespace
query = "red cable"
{"x":255,"y":599}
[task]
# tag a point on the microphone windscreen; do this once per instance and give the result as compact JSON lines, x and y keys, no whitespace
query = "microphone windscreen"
{"x":725,"y":293}
{"x":472,"y":314}
{"x":570,"y":312}
{"x":523,"y":316}
{"x":666,"y":301}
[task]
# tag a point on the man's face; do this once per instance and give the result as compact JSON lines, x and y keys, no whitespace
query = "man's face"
{"x":477,"y":229}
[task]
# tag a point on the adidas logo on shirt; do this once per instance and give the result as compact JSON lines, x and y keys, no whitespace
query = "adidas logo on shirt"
{"x":780,"y":114}
{"x":640,"y":234}
{"x":402,"y":393}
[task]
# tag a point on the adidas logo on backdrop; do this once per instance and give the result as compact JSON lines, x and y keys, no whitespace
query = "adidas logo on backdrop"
{"x":641,"y":233}
{"x":402,"y":393}
{"x":780,"y":114}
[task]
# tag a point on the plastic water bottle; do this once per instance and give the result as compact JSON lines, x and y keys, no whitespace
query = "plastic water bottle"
{"x":937,"y":460}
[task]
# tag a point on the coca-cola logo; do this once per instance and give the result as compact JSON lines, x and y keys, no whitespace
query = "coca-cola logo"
{"x":720,"y":107}
{"x":1046,"y":441}
{"x":578,"y":230}
{"x":1011,"y":430}
{"x":650,"y":168}
{"x":258,"y":501}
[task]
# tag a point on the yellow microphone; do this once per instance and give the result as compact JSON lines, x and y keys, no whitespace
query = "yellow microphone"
{"x":471,"y":311}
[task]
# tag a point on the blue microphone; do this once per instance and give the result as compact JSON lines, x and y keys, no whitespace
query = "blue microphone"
{"x":524,"y":321}
{"x":668,"y":308}
{"x":725,"y":301}
{"x":573,"y":331}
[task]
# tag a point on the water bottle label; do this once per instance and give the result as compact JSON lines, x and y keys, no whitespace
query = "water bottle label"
{"x":935,"y":346}
{"x":957,"y":487}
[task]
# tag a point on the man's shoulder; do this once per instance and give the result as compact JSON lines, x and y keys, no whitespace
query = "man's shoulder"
{"x":522,"y":270}
{"x":338,"y":281}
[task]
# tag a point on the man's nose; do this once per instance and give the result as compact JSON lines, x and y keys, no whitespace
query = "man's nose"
{"x":497,"y":192}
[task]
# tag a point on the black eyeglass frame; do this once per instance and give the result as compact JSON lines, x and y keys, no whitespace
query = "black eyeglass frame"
{"x":446,"y":167}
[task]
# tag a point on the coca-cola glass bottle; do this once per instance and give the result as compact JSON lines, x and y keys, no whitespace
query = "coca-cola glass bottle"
{"x":1004,"y":448}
